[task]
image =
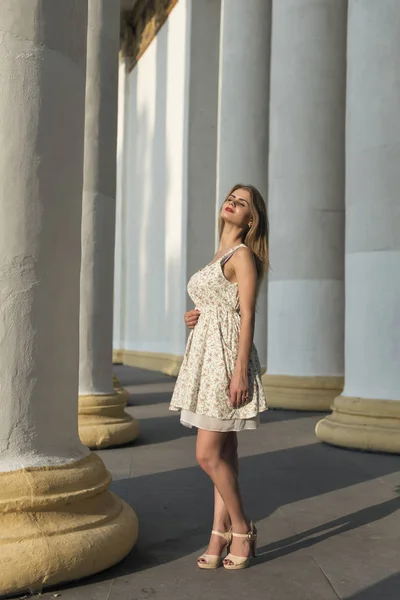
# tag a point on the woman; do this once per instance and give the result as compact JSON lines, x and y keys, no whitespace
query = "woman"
{"x":219,"y":387}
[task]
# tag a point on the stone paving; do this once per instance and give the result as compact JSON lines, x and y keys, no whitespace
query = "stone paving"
{"x":328,"y":519}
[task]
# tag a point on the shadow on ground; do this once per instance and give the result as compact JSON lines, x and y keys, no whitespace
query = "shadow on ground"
{"x":313,"y":536}
{"x":174,"y":507}
{"x":162,"y":429}
{"x":387,"y":589}
{"x":135,"y":376}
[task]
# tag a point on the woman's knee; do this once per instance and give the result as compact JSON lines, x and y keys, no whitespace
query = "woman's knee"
{"x":207,"y":460}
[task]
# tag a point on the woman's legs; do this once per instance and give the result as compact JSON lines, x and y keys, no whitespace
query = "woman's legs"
{"x":210,"y":456}
{"x":222,"y":520}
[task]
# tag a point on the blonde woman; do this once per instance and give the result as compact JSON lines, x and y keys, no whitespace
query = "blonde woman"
{"x":219,"y":387}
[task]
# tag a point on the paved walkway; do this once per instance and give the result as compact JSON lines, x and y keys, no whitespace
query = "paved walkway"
{"x":328,"y":519}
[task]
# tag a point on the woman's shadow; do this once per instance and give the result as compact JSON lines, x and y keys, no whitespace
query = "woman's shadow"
{"x":315,"y":535}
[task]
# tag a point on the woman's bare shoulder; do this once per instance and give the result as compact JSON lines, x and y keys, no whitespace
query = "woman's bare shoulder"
{"x":244,"y":254}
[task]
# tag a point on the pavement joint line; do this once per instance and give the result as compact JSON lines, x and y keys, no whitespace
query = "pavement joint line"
{"x":109,"y":589}
{"x":326,"y":577}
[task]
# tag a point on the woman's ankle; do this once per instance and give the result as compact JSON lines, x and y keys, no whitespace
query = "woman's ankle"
{"x":222,"y":525}
{"x":242,"y":526}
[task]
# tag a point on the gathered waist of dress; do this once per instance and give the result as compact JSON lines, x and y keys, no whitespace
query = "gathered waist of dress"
{"x":213,"y":308}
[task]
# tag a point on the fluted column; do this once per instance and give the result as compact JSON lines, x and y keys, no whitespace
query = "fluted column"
{"x":242,"y":152}
{"x":367,"y":414}
{"x":102,"y":419}
{"x":306,"y":204}
{"x":58,"y":521}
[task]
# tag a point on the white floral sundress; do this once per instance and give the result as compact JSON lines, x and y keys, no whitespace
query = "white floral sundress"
{"x":202,"y":389}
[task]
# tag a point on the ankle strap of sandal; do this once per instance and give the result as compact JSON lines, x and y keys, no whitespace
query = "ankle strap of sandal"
{"x":225,"y":535}
{"x":250,"y":535}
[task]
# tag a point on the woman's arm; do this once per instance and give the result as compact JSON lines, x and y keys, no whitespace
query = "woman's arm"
{"x":244,"y":267}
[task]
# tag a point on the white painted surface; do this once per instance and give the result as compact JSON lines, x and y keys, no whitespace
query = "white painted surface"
{"x":319,"y":303}
{"x":243,"y":112}
{"x":154,"y":205}
{"x":119,"y":258}
{"x":372,"y":325}
{"x":306,"y":188}
{"x":372,"y":201}
{"x":40,"y":216}
{"x":99,"y":190}
{"x":202,"y":112}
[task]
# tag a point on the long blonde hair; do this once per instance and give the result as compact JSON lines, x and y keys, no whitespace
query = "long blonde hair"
{"x":256,"y":238}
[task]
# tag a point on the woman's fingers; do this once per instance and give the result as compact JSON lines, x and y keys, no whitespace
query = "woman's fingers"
{"x":239,"y":399}
{"x":191,"y":322}
{"x":191,"y":318}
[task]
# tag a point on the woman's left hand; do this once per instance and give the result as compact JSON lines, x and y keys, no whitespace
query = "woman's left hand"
{"x":239,"y":390}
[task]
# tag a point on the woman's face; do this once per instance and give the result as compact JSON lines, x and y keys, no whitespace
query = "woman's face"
{"x":236,"y":208}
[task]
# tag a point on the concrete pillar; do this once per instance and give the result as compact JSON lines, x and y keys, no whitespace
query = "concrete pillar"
{"x":367,"y":414}
{"x":58,"y":521}
{"x":202,"y":100}
{"x":242,"y":152}
{"x":306,"y":204}
{"x":119,"y":296}
{"x":102,"y":419}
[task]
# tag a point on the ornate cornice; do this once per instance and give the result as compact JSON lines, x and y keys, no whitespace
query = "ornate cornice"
{"x":141,"y":26}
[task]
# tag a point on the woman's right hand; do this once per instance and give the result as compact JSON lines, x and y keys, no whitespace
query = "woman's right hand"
{"x":191,"y":317}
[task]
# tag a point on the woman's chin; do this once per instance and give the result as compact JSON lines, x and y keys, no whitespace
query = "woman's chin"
{"x":227,"y":217}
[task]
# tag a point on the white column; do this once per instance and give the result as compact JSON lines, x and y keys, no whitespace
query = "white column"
{"x":367,"y":414}
{"x":58,"y":521}
{"x":102,"y":421}
{"x":242,"y":154}
{"x":202,"y":114}
{"x":306,"y":204}
{"x":120,"y":213}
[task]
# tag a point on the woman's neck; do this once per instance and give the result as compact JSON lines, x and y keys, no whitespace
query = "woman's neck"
{"x":231,"y":237}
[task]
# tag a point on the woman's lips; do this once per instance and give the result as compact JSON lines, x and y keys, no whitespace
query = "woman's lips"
{"x":228,"y":209}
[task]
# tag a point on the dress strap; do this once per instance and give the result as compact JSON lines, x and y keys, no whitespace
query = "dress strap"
{"x":229,"y":254}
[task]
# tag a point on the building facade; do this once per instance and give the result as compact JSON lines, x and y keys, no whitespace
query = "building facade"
{"x":298,"y":97}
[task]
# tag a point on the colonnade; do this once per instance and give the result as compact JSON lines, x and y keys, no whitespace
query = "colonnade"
{"x":367,"y":413}
{"x":59,"y":521}
{"x":302,"y":103}
{"x":330,"y":130}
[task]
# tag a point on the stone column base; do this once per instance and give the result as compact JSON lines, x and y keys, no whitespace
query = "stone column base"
{"x":103,"y":421}
{"x":153,"y":361}
{"x":301,"y":393}
{"x":60,"y":524}
{"x":125,"y":395}
{"x":365,"y":424}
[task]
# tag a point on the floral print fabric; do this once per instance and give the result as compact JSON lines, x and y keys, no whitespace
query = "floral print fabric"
{"x":204,"y":378}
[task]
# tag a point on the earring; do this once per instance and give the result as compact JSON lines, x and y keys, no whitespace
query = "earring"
{"x":250,"y":224}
